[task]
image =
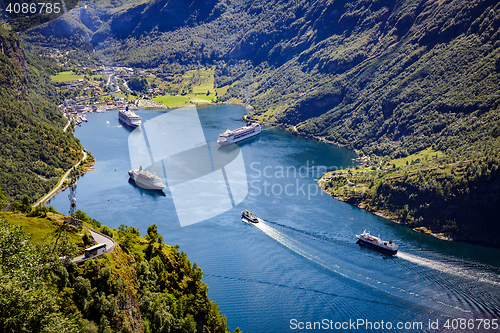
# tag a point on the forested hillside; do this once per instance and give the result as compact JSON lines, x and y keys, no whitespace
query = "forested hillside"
{"x":143,"y":285}
{"x":453,"y":197}
{"x":387,"y":78}
{"x":34,"y":151}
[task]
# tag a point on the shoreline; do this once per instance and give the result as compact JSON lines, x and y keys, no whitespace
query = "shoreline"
{"x":163,"y":107}
{"x":416,"y":230}
{"x":360,"y":206}
{"x":60,"y":188}
{"x":297,"y":134}
{"x":321,"y":139}
{"x":374,"y":212}
{"x":63,"y":188}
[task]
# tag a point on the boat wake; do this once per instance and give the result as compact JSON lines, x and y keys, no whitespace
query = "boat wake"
{"x":449,"y":269}
{"x":392,"y":290}
{"x":458,"y":283}
{"x":309,"y":234}
{"x":302,"y":288}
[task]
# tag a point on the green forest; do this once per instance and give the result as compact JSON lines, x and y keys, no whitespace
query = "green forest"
{"x":387,"y":78}
{"x":34,"y":151}
{"x":413,"y":86}
{"x":453,"y":197}
{"x":143,"y":285}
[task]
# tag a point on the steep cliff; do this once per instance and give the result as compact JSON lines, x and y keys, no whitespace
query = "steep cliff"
{"x":33,"y":149}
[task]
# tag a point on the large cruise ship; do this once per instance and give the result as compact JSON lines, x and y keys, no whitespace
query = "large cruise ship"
{"x":146,"y":179}
{"x":376,"y":243}
{"x":129,"y":118}
{"x":239,"y":134}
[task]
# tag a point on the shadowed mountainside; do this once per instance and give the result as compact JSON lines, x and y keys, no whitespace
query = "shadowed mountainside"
{"x":387,"y":78}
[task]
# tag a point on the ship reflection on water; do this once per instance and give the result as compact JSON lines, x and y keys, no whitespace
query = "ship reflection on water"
{"x":153,"y":193}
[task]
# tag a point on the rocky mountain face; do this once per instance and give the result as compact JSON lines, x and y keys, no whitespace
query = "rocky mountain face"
{"x":387,"y":77}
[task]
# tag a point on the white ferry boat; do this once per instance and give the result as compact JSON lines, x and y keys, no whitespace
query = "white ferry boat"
{"x":248,"y":217}
{"x":129,"y":118}
{"x":146,"y":179}
{"x":238,"y":134}
{"x":376,"y":243}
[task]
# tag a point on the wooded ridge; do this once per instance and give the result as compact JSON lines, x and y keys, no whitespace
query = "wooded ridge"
{"x":387,"y":78}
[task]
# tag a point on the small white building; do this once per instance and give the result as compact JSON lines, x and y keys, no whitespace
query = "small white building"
{"x":69,"y":102}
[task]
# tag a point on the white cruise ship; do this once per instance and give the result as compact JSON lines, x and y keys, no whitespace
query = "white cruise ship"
{"x":146,"y":179}
{"x":238,"y":134}
{"x":129,"y":118}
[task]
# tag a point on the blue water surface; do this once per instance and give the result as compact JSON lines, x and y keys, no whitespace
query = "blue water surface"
{"x":303,"y":264}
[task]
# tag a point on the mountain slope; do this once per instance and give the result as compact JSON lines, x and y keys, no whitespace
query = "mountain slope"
{"x":142,"y":285}
{"x":33,"y":149}
{"x":393,"y":80}
{"x":386,"y":77}
{"x":438,"y":86}
{"x":153,"y":15}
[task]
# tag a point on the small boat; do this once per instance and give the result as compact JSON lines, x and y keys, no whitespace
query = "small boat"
{"x":376,"y":243}
{"x":248,"y":217}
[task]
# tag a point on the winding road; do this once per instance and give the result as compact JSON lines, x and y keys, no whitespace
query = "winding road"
{"x":99,"y":238}
{"x":69,"y":122}
{"x":66,"y":127}
{"x":63,"y":179}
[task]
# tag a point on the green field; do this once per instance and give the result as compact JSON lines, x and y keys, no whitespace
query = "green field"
{"x":426,"y":154}
{"x":179,"y":101}
{"x":40,"y":229}
{"x":223,"y":90}
{"x":201,"y":80}
{"x":422,"y":156}
{"x":192,"y":88}
{"x":203,"y":98}
{"x":172,"y":101}
{"x":71,"y":76}
{"x":66,"y":76}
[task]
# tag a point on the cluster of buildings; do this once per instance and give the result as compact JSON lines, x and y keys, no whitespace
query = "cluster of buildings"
{"x":155,"y":92}
{"x":78,"y":84}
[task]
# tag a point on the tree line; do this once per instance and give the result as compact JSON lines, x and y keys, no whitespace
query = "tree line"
{"x":143,"y":285}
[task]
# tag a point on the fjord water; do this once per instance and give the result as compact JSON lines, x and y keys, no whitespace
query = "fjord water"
{"x":303,"y":263}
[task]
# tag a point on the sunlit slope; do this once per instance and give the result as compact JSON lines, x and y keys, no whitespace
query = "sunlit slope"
{"x":34,"y":151}
{"x":382,"y":76}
